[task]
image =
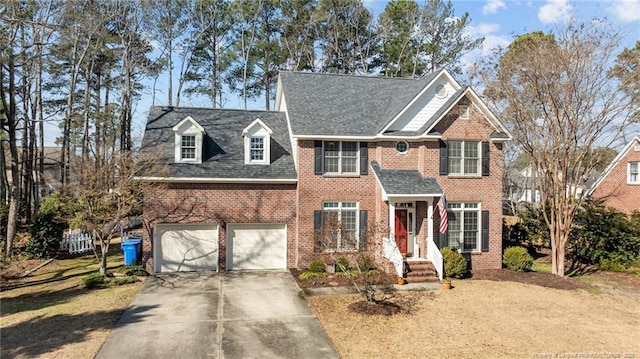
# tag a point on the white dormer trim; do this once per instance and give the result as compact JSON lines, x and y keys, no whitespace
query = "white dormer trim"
{"x":188,"y":127}
{"x":257,"y":134}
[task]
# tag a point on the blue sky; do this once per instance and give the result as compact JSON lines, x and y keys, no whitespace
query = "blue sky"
{"x":499,"y":21}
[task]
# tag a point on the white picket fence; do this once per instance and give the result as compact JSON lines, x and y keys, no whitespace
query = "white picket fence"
{"x":76,"y":241}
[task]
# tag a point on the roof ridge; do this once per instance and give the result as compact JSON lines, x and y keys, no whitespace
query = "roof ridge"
{"x":213,"y":109}
{"x":377,"y":77}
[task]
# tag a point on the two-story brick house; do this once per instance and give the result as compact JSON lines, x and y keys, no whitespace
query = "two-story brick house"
{"x":259,"y":189}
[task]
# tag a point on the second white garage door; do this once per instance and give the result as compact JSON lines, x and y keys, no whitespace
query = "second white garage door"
{"x":256,"y":246}
{"x":185,"y":248}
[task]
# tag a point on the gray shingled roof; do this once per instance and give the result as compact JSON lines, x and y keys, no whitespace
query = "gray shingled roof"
{"x":338,"y":105}
{"x":401,"y":182}
{"x":223,"y":153}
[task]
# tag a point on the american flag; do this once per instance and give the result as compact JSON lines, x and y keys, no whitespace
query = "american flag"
{"x":444,"y":218}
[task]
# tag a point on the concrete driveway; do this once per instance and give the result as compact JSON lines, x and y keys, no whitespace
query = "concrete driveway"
{"x":218,"y":315}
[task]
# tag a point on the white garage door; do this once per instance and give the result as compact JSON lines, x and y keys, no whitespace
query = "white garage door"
{"x":185,"y":248}
{"x":256,"y":246}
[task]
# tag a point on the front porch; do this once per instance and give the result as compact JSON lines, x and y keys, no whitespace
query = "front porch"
{"x":410,"y":200}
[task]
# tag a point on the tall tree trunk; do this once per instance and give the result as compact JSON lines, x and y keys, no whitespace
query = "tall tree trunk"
{"x":14,"y":190}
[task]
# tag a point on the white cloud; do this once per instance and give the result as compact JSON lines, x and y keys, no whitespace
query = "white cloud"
{"x":626,"y":10}
{"x":492,"y":6}
{"x":555,"y":11}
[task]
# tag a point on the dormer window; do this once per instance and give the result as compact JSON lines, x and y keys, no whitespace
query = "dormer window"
{"x":257,"y":149}
{"x":188,"y":147}
{"x":188,"y":141}
{"x":257,"y":138}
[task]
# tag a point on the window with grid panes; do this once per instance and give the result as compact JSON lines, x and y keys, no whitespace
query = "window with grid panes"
{"x":188,"y":147}
{"x":340,"y":157}
{"x":464,"y":157}
{"x":464,"y":226}
{"x":341,"y":225}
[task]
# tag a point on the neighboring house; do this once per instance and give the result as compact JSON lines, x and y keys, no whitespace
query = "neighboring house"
{"x":619,"y":184}
{"x":52,"y":168}
{"x":265,"y":189}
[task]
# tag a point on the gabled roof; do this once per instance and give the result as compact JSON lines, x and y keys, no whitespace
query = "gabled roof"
{"x":223,"y":148}
{"x":257,"y":122}
{"x":327,"y":105}
{"x":615,"y":162}
{"x":336,"y":105}
{"x":400,"y":183}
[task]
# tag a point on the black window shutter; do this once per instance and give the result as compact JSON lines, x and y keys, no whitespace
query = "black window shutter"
{"x":363,"y":230}
{"x":317,"y":231}
{"x":485,"y":158}
{"x":364,"y":160}
{"x":317,"y":157}
{"x":444,"y":158}
{"x":485,"y":231}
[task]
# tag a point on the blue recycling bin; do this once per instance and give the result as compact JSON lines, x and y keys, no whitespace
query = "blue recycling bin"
{"x":130,"y":248}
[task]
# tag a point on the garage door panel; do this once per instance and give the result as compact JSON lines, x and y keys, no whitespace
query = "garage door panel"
{"x":186,"y":248}
{"x":257,"y":246}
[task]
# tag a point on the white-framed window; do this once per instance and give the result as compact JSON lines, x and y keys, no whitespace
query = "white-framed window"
{"x":464,"y":157}
{"x":188,"y":147}
{"x":188,"y":141}
{"x":633,"y":173}
{"x":257,"y":148}
{"x":257,"y":138}
{"x":340,"y":225}
{"x":464,"y":226}
{"x":340,"y":157}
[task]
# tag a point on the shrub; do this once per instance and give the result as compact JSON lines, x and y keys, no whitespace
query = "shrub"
{"x":133,"y":270}
{"x":94,"y":280}
{"x":120,"y":281}
{"x":611,"y":266}
{"x":46,"y":234}
{"x":342,"y":264}
{"x":517,"y":259}
{"x":365,"y":263}
{"x":604,"y":234}
{"x":317,"y":266}
{"x":455,"y":266}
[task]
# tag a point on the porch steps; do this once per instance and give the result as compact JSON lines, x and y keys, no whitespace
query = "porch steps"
{"x":420,"y":271}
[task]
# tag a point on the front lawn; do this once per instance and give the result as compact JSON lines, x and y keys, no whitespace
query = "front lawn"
{"x":50,"y":314}
{"x":488,"y":319}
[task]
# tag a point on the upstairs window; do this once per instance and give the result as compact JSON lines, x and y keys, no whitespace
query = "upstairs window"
{"x":340,"y":157}
{"x":464,"y":157}
{"x":257,"y":148}
{"x":188,"y":147}
{"x":633,"y":176}
{"x":257,"y":139}
{"x":188,"y":141}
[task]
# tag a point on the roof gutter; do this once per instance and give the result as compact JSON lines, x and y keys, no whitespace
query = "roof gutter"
{"x":218,"y":180}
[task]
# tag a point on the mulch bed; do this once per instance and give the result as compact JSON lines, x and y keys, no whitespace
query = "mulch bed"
{"x":535,"y":278}
{"x":379,"y":308}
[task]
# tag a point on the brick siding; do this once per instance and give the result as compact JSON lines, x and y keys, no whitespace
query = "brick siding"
{"x":614,"y":189}
{"x":184,"y":203}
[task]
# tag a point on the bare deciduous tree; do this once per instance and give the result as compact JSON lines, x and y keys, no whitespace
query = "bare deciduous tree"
{"x":556,"y":93}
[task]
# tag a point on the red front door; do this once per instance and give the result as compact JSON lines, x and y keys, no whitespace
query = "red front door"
{"x":401,"y":230}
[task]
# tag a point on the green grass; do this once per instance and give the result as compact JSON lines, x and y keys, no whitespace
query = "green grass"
{"x":542,"y":267}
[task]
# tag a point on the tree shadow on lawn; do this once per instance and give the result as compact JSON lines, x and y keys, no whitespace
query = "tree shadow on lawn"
{"x":40,"y":335}
{"x":39,"y":300}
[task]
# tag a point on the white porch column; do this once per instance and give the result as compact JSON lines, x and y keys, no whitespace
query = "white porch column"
{"x":429,"y":222}
{"x":392,"y":220}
